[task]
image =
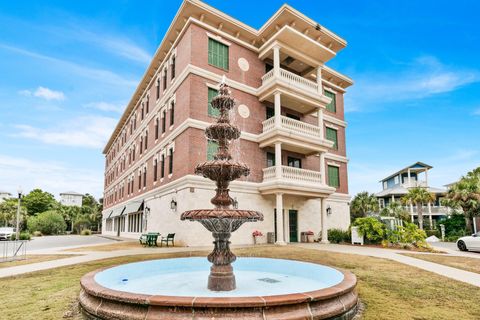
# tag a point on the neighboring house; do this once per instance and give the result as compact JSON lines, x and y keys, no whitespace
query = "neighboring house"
{"x":290,"y":109}
{"x":71,"y":198}
{"x":396,"y":185}
{"x":4,"y":195}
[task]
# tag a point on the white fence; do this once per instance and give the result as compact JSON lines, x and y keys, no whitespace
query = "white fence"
{"x":13,"y":250}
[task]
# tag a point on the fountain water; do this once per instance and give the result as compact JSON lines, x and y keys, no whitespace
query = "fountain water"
{"x":175,"y":288}
{"x":222,"y":220}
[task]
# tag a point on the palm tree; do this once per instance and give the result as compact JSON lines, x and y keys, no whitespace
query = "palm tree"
{"x":465,"y":194}
{"x":395,"y":209}
{"x":363,"y":203}
{"x":418,"y":196}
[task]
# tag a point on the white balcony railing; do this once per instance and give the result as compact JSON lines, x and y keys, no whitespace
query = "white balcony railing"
{"x":434,"y":209}
{"x":414,"y":183}
{"x":292,"y":80}
{"x":293,"y":125}
{"x":292,"y":174}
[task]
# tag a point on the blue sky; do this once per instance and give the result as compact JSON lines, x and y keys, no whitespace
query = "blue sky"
{"x":68,"y":68}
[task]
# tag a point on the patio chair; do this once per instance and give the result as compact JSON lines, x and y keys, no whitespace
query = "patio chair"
{"x":143,"y":239}
{"x":169,"y":238}
{"x":152,"y":239}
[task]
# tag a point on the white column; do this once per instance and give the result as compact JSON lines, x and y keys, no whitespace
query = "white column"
{"x":409,"y":179}
{"x":323,"y":209}
{"x":280,"y":224}
{"x":278,"y":160}
{"x":430,"y":214}
{"x":276,"y":60}
{"x":411,"y":207}
{"x":320,"y":122}
{"x":322,"y":168}
{"x":278,"y":109}
{"x":319,"y":80}
{"x":393,"y":198}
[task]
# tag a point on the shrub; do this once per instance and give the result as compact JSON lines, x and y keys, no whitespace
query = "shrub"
{"x":454,"y":225}
{"x":86,"y":232}
{"x":24,"y":236}
{"x":48,"y":222}
{"x":80,"y":224}
{"x":372,"y":229}
{"x":338,"y":235}
{"x":37,"y":234}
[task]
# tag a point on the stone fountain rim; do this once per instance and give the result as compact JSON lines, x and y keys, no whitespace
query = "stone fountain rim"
{"x":91,"y":287}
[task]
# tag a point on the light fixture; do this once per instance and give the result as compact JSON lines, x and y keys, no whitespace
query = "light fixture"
{"x":173,"y":204}
{"x":329,"y":210}
{"x":147,"y":210}
{"x":235,"y":203}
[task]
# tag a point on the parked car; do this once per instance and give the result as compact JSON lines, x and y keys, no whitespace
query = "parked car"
{"x":469,"y":243}
{"x":6,"y":233}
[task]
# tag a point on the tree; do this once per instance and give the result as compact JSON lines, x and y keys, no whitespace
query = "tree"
{"x":395,"y":209}
{"x":465,"y":194}
{"x":8,"y":212}
{"x":362,"y":204}
{"x":418,"y":196}
{"x":39,"y":201}
{"x":48,"y":222}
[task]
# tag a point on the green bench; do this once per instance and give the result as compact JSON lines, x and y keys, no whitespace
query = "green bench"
{"x":149,"y":239}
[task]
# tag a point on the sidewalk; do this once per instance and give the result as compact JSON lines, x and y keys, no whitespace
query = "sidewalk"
{"x":452,"y":273}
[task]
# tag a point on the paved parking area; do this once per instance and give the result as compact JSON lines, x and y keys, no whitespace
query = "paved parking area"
{"x":55,"y":243}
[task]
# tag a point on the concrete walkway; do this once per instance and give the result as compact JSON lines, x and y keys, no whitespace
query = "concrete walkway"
{"x":395,"y":255}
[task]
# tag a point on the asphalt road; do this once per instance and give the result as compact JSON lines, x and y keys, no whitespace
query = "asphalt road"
{"x":53,"y":242}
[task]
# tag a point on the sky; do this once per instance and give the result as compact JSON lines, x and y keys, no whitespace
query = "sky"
{"x":68,"y":69}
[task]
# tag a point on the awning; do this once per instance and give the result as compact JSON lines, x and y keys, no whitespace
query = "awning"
{"x":133,"y":207}
{"x":108,"y":214}
{"x":117,"y":212}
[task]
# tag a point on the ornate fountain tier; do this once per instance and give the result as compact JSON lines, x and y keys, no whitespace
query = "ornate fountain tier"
{"x":222,"y":220}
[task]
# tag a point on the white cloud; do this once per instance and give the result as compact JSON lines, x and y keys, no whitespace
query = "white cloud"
{"x":88,"y":132}
{"x":50,"y":176}
{"x":476,"y":112}
{"x":44,"y":93}
{"x":106,"y":106}
{"x":421,"y":78}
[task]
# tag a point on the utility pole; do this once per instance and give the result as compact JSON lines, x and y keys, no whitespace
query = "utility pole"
{"x":17,"y":230}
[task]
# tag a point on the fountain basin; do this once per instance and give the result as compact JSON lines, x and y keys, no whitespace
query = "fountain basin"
{"x":176,"y":289}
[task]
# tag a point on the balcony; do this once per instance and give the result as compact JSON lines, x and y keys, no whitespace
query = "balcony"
{"x":300,"y":94}
{"x":414,"y":184}
{"x":295,"y":181}
{"x":295,"y":136}
{"x":436,"y":210}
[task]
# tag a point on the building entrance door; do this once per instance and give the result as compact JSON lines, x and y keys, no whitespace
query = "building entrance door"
{"x":293,"y":225}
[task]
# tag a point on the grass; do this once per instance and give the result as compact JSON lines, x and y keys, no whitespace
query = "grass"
{"x":388,"y":289}
{"x":123,"y":245}
{"x":464,"y":263}
{"x":34,"y":259}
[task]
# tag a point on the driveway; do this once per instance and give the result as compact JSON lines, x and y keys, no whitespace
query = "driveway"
{"x":52,"y":243}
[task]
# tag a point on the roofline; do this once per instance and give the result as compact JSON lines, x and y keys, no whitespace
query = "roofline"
{"x":406,"y":168}
{"x":202,"y":5}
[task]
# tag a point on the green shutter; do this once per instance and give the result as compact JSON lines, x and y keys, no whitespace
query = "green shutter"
{"x":332,"y":136}
{"x":217,"y":54}
{"x":212,"y":149}
{"x":332,"y":106}
{"x":333,"y":176}
{"x":211,"y":110}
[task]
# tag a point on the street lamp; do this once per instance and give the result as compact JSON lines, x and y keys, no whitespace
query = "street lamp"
{"x":17,"y":230}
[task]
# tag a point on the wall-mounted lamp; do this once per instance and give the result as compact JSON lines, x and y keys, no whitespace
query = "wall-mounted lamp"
{"x":235,"y":203}
{"x":329,"y":210}
{"x":173,"y":204}
{"x":147,"y":210}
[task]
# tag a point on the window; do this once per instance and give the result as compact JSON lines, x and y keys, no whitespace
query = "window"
{"x":156,"y":128}
{"x":147,"y":106}
{"x":170,"y":160}
{"x":217,"y":54}
{"x":172,"y":113}
{"x":135,"y":122}
{"x":142,"y":112}
{"x":158,"y":89}
{"x":155,"y":167}
{"x":140,"y":180}
{"x":146,"y":140}
{"x":211,"y":110}
{"x":172,"y":74}
{"x":294,"y":162}
{"x":164,"y":79}
{"x":162,"y":166}
{"x":212,"y":149}
{"x":144,"y":177}
{"x":270,"y":159}
{"x":141,"y":144}
{"x":270,"y":113}
{"x":135,"y":222}
{"x":332,"y":136}
{"x":332,"y":106}
{"x":133,"y":154}
{"x":333,"y":176}
{"x":164,"y":117}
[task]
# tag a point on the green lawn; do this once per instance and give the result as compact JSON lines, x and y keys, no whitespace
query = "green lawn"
{"x":34,"y":259}
{"x":388,"y":289}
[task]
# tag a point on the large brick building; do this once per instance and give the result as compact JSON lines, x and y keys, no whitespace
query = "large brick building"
{"x":289,"y":108}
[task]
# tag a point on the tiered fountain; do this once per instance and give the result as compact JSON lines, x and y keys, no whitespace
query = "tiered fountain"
{"x":177,"y":288}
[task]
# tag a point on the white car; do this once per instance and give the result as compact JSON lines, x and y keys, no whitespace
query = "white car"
{"x":469,"y":243}
{"x":6,"y":233}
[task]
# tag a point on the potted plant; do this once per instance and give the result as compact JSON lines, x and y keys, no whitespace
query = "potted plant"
{"x":256,"y":234}
{"x":310,"y":235}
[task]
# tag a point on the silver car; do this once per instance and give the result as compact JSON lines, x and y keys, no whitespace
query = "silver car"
{"x":469,"y":243}
{"x":6,"y":233}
